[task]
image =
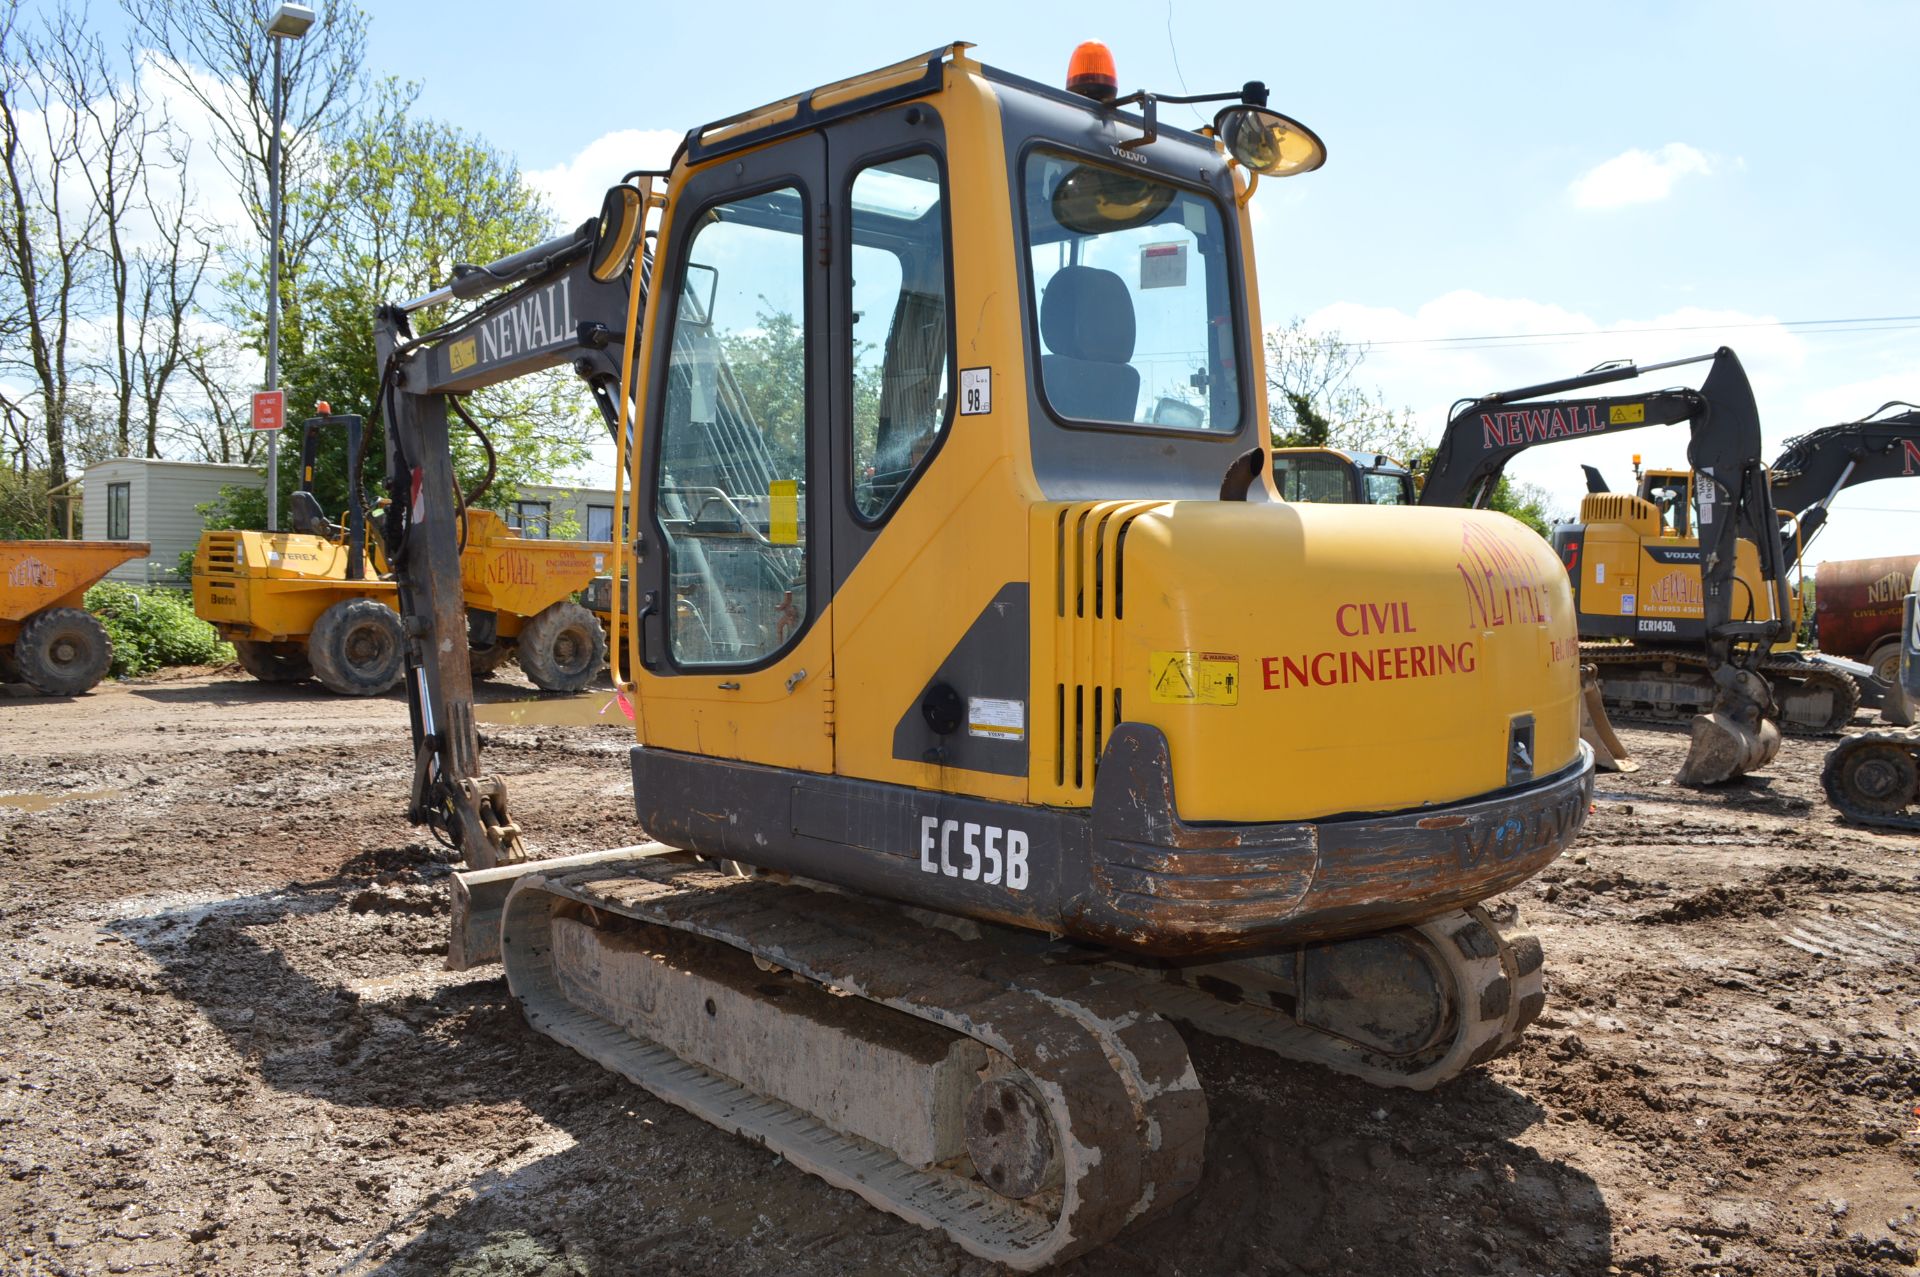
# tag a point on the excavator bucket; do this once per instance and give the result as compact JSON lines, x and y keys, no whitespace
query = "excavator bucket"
{"x":1735,"y":737}
{"x":1609,"y":751}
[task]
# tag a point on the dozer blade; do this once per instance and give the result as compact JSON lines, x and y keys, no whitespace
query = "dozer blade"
{"x":1735,"y":737}
{"x":1609,"y":751}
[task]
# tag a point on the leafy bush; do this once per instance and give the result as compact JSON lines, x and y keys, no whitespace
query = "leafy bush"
{"x":154,"y":628}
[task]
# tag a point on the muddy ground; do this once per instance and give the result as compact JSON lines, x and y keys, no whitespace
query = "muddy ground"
{"x":227,"y":1044}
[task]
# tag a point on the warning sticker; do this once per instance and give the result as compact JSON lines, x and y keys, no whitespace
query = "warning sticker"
{"x":1627,"y":604}
{"x":1622,"y":414}
{"x":783,"y":511}
{"x":996,"y":720}
{"x":1194,"y":678}
{"x":1163,"y":266}
{"x":462,"y":354}
{"x":976,"y":391}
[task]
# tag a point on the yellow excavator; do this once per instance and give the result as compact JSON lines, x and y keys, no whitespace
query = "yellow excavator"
{"x":1636,"y":564}
{"x":991,"y":709}
{"x":314,"y":602}
{"x":1737,"y":556}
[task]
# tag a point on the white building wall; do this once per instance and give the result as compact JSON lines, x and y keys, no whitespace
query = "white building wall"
{"x":164,"y":499}
{"x":563,"y":500}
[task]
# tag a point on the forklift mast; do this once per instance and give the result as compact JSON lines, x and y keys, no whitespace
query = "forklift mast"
{"x":565,"y":302}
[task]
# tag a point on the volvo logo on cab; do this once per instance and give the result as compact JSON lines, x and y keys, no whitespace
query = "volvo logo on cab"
{"x":1002,"y":852}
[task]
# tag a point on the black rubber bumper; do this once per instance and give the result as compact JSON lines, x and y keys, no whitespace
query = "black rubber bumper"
{"x":1129,"y":873}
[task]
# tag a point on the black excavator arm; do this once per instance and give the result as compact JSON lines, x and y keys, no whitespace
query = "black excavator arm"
{"x":568,"y":301}
{"x":1733,"y":494}
{"x":1818,"y":466}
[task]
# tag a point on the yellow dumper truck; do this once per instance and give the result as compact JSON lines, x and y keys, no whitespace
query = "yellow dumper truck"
{"x":311,"y":603}
{"x":47,"y":636}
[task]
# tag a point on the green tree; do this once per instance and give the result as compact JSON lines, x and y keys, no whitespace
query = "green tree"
{"x":1313,"y":402}
{"x":409,"y":199}
{"x":769,"y":365}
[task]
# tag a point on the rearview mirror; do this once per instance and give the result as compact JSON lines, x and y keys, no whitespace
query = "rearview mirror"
{"x":1267,"y":142}
{"x":1092,"y":201}
{"x":623,"y":216}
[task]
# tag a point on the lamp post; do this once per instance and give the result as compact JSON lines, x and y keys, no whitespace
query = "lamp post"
{"x":289,"y":22}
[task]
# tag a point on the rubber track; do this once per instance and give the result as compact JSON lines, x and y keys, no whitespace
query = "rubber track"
{"x":1775,"y":669}
{"x":1850,"y":810}
{"x":1130,"y":1118}
{"x":1498,"y":991}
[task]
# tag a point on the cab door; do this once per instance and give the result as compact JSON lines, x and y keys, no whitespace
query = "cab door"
{"x":732,"y":576}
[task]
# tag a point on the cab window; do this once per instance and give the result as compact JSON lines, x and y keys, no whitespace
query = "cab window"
{"x":1320,"y":479}
{"x":731,"y":491}
{"x":1131,"y":281}
{"x":1386,"y":487}
{"x":901,"y":381}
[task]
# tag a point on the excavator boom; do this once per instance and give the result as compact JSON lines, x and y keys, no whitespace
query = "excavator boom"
{"x":1814,"y":468}
{"x":555,"y":310}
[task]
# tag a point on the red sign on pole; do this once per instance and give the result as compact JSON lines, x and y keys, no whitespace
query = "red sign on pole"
{"x":269,"y":409}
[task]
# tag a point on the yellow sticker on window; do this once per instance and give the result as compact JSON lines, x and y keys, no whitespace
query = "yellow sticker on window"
{"x":783,"y":511}
{"x":462,"y":354}
{"x":1626,"y":414}
{"x":1194,"y":678}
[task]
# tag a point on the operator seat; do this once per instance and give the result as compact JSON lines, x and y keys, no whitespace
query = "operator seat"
{"x":1086,"y":322}
{"x":305,"y":515}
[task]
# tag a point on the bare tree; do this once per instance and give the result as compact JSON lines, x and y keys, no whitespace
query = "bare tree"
{"x":216,"y":427}
{"x":170,"y":279}
{"x":219,"y":53}
{"x":49,"y":222}
{"x":1313,"y":399}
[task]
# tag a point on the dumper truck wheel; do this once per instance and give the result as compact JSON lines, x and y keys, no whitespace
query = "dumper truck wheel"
{"x":562,"y":648}
{"x":356,"y":648}
{"x":485,"y":660}
{"x":63,"y":651}
{"x":273,"y":662}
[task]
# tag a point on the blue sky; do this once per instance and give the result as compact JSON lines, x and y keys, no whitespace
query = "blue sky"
{"x":1496,"y":169}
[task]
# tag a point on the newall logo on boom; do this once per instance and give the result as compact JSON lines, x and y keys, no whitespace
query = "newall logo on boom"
{"x":530,"y":325}
{"x":1533,"y":425}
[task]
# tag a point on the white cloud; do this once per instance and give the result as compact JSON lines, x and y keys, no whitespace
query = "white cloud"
{"x":1637,"y":176}
{"x":574,"y":188}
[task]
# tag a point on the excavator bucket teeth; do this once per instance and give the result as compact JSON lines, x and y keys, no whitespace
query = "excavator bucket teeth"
{"x":1609,"y":751}
{"x":1724,"y":747}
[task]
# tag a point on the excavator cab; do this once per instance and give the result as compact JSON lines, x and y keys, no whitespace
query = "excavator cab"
{"x":1342,"y":477}
{"x":1671,"y":492}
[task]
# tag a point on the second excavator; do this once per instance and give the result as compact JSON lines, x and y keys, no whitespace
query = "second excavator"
{"x":1736,"y":560}
{"x":1636,"y":565}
